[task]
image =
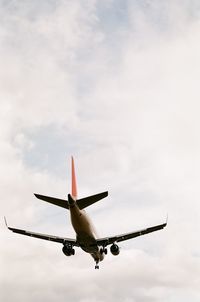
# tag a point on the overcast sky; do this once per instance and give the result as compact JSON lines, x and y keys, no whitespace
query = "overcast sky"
{"x":116,"y":84}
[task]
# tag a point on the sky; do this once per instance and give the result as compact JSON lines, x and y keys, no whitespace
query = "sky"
{"x":116,"y":84}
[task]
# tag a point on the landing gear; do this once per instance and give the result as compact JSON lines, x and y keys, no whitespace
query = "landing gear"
{"x":103,"y":251}
{"x":96,"y":266}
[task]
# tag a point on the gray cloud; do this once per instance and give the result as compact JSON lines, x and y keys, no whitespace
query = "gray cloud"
{"x":123,"y":97}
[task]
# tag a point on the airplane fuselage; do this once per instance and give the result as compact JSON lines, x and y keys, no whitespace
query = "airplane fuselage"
{"x":85,"y":233}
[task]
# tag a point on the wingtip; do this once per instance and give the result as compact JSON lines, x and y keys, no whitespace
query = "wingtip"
{"x":166,"y":222}
{"x":166,"y":219}
{"x":5,"y":221}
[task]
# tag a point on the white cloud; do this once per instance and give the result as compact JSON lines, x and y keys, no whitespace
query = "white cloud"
{"x":129,"y":111}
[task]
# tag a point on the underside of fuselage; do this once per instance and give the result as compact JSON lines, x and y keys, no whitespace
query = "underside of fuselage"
{"x":89,"y":245}
{"x":85,"y":233}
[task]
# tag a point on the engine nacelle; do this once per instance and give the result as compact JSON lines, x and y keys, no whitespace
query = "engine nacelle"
{"x":114,"y":249}
{"x":68,"y":251}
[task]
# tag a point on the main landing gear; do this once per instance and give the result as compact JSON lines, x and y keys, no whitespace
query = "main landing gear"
{"x":103,"y":251}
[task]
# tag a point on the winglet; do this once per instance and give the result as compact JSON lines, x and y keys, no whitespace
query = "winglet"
{"x":74,"y":187}
{"x":167,"y":219}
{"x":5,"y":222}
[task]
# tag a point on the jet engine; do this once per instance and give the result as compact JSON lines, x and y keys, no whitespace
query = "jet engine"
{"x":114,"y":249}
{"x":68,"y":250}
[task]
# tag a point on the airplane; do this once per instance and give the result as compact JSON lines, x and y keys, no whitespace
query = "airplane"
{"x":86,"y":237}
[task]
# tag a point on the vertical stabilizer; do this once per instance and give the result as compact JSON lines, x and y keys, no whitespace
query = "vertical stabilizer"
{"x":74,"y":188}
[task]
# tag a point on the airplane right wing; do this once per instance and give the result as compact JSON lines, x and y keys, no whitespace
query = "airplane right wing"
{"x":110,"y":240}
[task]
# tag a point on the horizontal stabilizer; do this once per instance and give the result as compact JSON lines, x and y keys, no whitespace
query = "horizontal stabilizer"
{"x":87,"y":201}
{"x":82,"y":203}
{"x":58,"y":202}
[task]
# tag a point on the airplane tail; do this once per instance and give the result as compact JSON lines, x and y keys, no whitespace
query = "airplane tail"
{"x":82,"y":203}
{"x":74,"y":186}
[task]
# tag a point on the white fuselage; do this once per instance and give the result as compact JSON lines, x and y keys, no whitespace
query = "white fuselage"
{"x":85,"y":233}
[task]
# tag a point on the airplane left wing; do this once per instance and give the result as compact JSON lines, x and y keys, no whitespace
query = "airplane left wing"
{"x":62,"y":240}
{"x":110,"y":240}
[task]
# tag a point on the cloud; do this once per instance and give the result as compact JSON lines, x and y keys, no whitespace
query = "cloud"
{"x":122,"y":95}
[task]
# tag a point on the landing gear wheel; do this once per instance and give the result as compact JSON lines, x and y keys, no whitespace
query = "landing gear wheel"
{"x":103,"y":250}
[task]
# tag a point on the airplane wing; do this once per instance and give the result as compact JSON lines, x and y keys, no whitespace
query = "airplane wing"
{"x":44,"y":236}
{"x":110,"y":240}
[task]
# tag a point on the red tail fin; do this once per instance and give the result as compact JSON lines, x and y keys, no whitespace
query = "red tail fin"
{"x":74,"y":188}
